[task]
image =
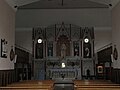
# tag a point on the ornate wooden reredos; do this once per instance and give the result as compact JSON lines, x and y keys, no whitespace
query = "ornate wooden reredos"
{"x":61,"y":40}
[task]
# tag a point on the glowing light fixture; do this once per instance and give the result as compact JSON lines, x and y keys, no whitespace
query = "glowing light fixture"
{"x":63,"y":65}
{"x":39,"y":40}
{"x":86,"y":40}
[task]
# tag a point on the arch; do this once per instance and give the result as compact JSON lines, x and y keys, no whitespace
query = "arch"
{"x":63,"y":43}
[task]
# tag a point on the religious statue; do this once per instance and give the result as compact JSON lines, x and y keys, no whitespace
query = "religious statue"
{"x":87,"y":51}
{"x":63,"y":50}
{"x":115,"y":53}
{"x":39,"y":51}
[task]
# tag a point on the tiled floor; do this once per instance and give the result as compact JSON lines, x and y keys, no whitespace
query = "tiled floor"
{"x":64,"y":86}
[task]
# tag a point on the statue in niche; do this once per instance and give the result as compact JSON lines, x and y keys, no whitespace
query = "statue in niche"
{"x":63,"y":50}
{"x":50,"y":48}
{"x":115,"y":53}
{"x":49,"y":52}
{"x":39,"y":51}
{"x":87,"y":52}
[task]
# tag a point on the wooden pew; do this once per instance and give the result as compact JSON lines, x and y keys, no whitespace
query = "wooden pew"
{"x":95,"y":82}
{"x":26,"y":87}
{"x":27,"y":84}
{"x":23,"y":88}
{"x":37,"y":81}
{"x":95,"y":85}
{"x":12,"y":85}
{"x":97,"y":88}
{"x":91,"y":81}
{"x":30,"y":85}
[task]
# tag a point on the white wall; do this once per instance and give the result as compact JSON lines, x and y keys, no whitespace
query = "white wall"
{"x":7,"y":32}
{"x":116,"y":33}
{"x":102,"y":38}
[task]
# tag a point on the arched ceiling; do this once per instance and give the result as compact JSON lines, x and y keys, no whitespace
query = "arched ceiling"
{"x":58,"y":4}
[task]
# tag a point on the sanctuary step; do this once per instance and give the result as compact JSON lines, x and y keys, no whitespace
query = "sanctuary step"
{"x":64,"y":86}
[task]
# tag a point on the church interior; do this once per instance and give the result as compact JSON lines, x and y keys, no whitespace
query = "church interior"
{"x":60,"y":45}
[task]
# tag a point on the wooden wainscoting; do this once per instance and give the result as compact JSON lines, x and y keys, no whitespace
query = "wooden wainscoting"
{"x":115,"y":76}
{"x":7,"y":77}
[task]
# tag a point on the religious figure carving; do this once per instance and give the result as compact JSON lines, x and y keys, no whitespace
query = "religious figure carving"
{"x":115,"y":53}
{"x":87,"y":51}
{"x":63,"y":50}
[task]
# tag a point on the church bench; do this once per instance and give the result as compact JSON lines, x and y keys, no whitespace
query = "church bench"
{"x":27,"y":87}
{"x":47,"y":82}
{"x":24,"y":85}
{"x":97,"y":86}
{"x":84,"y":85}
{"x":79,"y":85}
{"x":23,"y":88}
{"x":32,"y":84}
{"x":91,"y":82}
{"x":51,"y":85}
{"x":107,"y":87}
{"x":97,"y":89}
{"x":37,"y":81}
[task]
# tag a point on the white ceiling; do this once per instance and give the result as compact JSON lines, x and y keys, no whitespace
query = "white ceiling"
{"x":38,"y":4}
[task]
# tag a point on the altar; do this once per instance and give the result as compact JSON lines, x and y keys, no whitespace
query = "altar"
{"x":63,"y":52}
{"x":67,"y":69}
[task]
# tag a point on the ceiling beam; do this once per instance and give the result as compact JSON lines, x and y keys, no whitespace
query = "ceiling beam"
{"x":110,"y":3}
{"x":101,"y":1}
{"x":24,"y":2}
{"x":16,"y":3}
{"x":11,"y":4}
